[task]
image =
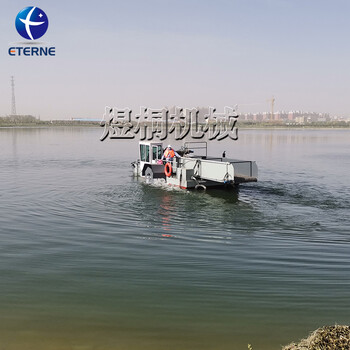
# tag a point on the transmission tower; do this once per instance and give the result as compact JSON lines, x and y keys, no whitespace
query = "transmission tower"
{"x":13,"y":109}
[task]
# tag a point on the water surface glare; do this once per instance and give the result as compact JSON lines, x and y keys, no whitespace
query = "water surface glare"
{"x":91,"y":258}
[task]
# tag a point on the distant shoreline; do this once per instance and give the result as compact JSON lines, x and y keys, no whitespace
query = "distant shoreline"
{"x":257,"y":126}
{"x":50,"y":125}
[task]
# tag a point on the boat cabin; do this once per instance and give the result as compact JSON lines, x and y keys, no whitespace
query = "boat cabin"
{"x":150,"y":152}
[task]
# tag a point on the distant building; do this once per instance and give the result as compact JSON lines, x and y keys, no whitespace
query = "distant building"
{"x":291,"y":117}
{"x":300,"y":120}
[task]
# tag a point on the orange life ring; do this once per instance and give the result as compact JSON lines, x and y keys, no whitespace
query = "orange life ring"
{"x":168,"y":169}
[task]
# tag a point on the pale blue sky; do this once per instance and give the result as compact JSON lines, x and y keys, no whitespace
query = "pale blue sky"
{"x":188,"y":53}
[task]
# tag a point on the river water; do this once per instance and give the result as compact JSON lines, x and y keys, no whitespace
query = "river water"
{"x":91,"y":258}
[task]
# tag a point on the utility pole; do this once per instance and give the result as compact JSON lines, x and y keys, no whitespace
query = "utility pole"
{"x":13,"y":109}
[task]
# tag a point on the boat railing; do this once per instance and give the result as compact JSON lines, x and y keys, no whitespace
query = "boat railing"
{"x":196,"y":145}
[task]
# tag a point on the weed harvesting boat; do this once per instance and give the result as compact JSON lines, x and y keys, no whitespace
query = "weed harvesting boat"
{"x":194,"y":169}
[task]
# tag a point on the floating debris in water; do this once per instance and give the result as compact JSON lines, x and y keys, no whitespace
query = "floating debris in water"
{"x":325,"y":338}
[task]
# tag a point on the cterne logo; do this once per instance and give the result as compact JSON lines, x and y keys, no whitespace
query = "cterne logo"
{"x":32,"y":23}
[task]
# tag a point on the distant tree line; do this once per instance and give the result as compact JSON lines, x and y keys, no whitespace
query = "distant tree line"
{"x":29,"y":120}
{"x":19,"y":119}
